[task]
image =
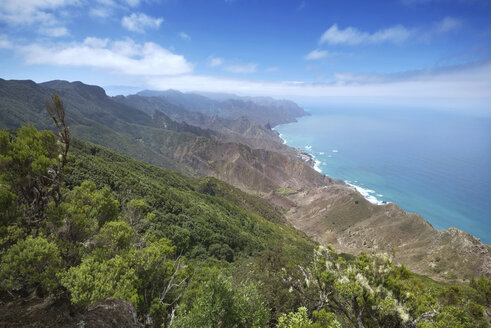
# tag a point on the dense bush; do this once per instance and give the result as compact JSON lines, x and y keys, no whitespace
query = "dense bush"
{"x":29,"y":264}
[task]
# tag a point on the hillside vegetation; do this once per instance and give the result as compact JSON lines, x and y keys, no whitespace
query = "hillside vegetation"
{"x":77,"y":231}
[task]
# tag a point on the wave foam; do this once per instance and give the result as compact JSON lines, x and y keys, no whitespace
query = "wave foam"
{"x":282,"y":138}
{"x":317,"y":165}
{"x":334,"y":150}
{"x":367,"y":194}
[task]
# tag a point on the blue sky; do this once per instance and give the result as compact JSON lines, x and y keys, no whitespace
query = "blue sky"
{"x":417,"y":50}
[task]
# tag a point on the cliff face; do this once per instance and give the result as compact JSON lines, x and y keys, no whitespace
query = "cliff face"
{"x":338,"y":215}
{"x":254,"y":170}
{"x":239,"y":130}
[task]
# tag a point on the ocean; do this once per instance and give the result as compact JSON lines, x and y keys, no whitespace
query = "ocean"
{"x":434,"y":163}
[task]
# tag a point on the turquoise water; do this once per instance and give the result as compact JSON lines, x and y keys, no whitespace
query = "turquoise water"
{"x":432,"y":163}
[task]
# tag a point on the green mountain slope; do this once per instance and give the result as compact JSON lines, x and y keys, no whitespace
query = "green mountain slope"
{"x":90,"y":113}
{"x":207,"y":211}
{"x":130,"y":244}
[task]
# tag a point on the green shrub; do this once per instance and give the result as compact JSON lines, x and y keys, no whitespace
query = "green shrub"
{"x":30,"y":263}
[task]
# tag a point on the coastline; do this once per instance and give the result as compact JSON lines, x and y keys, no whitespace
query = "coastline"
{"x":308,"y":156}
{"x":421,"y":174}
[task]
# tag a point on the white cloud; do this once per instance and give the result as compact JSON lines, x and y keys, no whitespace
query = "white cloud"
{"x":242,"y":69}
{"x":215,"y":61}
{"x":42,"y":14}
{"x":272,"y":69}
{"x":353,"y":36}
{"x":139,"y":22}
{"x":123,"y":57}
{"x":449,"y":86}
{"x":184,"y":36}
{"x":29,"y":12}
{"x":106,"y":8}
{"x":5,"y":42}
{"x":232,"y":68}
{"x":100,"y":12}
{"x":447,"y":24}
{"x":133,"y":3}
{"x":316,"y":54}
{"x":54,"y":32}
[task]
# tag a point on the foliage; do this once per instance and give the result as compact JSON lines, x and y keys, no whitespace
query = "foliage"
{"x":114,"y":237}
{"x":29,"y":264}
{"x":148,"y":277}
{"x":369,"y":291}
{"x":354,"y":289}
{"x":169,"y":205}
{"x":324,"y":319}
{"x":483,"y":287}
{"x":95,"y":279}
{"x":221,"y":304}
{"x":86,"y":209}
{"x":29,"y":165}
{"x":299,"y":319}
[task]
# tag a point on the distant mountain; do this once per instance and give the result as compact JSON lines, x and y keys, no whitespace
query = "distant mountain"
{"x":261,"y":110}
{"x":91,"y":114}
{"x":159,"y":140}
{"x":239,"y":130}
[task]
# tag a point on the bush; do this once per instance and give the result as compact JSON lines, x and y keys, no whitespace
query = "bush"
{"x":30,"y":263}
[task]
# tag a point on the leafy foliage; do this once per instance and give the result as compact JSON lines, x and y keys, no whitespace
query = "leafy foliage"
{"x":221,"y":304}
{"x":30,"y":263}
{"x":29,"y":164}
{"x":193,"y":253}
{"x":370,"y":291}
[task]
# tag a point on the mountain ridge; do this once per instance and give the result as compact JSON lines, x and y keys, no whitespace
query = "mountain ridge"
{"x":327,"y":210}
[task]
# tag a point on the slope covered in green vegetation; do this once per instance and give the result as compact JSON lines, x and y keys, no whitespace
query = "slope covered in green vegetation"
{"x":187,"y":252}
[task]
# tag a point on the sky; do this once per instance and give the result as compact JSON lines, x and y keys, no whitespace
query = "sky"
{"x":402,"y":51}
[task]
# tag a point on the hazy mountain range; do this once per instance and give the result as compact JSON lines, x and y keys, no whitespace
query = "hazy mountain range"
{"x":230,"y":138}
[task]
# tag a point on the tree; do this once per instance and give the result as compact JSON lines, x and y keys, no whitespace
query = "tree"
{"x":222,"y":305}
{"x":114,"y":237}
{"x":150,"y":277}
{"x":32,"y":164}
{"x":57,"y":112}
{"x":299,"y":319}
{"x":86,"y":209}
{"x":163,"y":279}
{"x":135,"y":210}
{"x":29,"y":164}
{"x":355,"y":290}
{"x":96,"y":279}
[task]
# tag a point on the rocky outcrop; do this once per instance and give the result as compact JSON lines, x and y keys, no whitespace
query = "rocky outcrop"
{"x":338,"y":215}
{"x":40,"y":313}
{"x":108,"y":314}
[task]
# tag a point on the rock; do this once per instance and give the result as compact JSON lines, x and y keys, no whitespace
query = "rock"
{"x":40,"y":313}
{"x":109,"y":313}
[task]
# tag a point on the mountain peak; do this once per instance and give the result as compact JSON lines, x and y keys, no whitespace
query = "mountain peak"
{"x":87,"y":90}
